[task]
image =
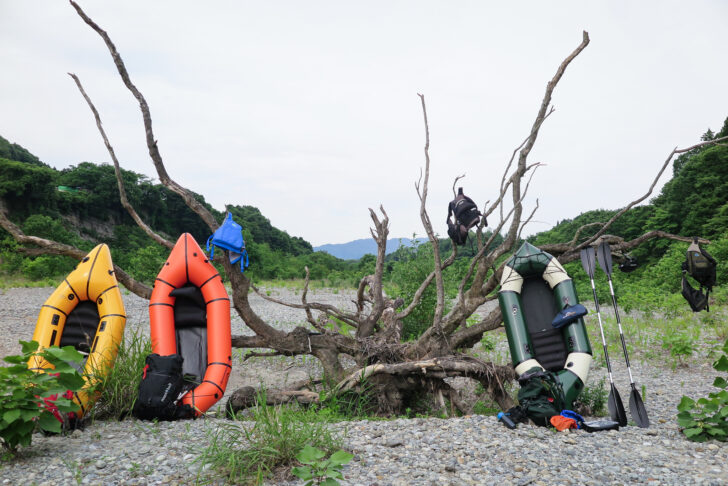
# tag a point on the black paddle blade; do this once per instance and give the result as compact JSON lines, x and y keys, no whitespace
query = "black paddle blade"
{"x":637,"y":410}
{"x":587,"y":261}
{"x":605,"y":257}
{"x":616,"y":408}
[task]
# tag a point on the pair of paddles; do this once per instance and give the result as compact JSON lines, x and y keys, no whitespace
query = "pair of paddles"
{"x":614,"y":402}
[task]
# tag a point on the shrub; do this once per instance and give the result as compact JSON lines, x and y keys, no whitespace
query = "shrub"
{"x":680,"y":344}
{"x":707,"y":418}
{"x":22,"y":407}
{"x":593,"y":398}
{"x":488,"y":342}
{"x":318,"y":469}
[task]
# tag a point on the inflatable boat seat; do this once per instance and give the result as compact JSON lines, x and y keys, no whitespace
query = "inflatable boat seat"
{"x":80,"y":328}
{"x":539,"y":310}
{"x":190,"y":321}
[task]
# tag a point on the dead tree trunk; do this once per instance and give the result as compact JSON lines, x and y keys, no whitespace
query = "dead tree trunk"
{"x":393,"y":369}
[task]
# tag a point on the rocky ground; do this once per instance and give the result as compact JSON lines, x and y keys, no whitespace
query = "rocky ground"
{"x":474,"y":449}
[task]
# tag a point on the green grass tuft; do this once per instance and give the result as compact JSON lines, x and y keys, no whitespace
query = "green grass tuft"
{"x":118,"y":391}
{"x":251,"y":452}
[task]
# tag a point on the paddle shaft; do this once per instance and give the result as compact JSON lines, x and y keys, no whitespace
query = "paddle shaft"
{"x":605,"y":261}
{"x":636,"y":406}
{"x":614,"y":401}
{"x":621,"y":334}
{"x":601,"y":330}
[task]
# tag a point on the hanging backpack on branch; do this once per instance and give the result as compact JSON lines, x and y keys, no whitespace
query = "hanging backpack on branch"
{"x":229,"y":236}
{"x":702,"y":267}
{"x":466,"y":216}
{"x":629,"y":264}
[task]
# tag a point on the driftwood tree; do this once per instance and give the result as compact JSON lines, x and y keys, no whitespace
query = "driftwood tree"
{"x":374,"y":352}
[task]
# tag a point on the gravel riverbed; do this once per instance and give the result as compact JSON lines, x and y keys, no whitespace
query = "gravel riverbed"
{"x":473,"y":449}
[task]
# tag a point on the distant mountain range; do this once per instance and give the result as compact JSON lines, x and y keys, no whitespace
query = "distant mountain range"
{"x":356,"y":249}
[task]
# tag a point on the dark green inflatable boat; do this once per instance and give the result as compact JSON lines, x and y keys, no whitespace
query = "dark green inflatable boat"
{"x":534,"y":288}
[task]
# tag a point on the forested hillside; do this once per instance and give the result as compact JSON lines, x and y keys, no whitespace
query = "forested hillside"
{"x":80,"y":205}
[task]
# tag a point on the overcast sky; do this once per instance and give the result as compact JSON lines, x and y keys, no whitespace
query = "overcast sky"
{"x":308,"y":110}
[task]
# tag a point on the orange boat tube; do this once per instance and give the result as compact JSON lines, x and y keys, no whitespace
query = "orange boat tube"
{"x":85,"y":311}
{"x":189,"y":315}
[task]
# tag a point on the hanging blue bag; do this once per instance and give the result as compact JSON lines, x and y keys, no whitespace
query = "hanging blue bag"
{"x":229,"y":236}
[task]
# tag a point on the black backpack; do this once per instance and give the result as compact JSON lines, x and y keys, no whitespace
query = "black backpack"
{"x":466,"y":216}
{"x":700,"y":265}
{"x":629,"y":264}
{"x":161,"y":386}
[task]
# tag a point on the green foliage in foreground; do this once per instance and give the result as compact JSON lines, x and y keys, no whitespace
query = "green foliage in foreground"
{"x":707,"y":418}
{"x":251,"y":452}
{"x":318,"y":469}
{"x":22,"y":409}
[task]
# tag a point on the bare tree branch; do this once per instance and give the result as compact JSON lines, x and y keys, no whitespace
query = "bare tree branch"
{"x":649,"y":191}
{"x":566,"y":252}
{"x":505,"y":184}
{"x":117,"y":170}
{"x":454,"y":183}
{"x":528,"y":220}
{"x":156,"y":157}
{"x":575,"y":239}
{"x":428,"y":225}
{"x":380,"y":233}
{"x":325,"y":308}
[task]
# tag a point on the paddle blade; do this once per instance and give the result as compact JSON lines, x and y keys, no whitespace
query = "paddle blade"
{"x":637,"y":409}
{"x":616,"y":408}
{"x":587,"y":261}
{"x":605,"y":257}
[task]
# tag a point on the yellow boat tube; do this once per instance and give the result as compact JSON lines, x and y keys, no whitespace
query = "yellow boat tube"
{"x":85,"y":311}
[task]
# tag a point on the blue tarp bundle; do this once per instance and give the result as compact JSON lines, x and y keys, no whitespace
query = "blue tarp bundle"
{"x":229,"y":236}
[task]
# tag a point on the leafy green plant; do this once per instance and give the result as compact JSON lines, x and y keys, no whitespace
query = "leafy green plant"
{"x":707,"y":418}
{"x":680,"y":344}
{"x":350,"y":405}
{"x":488,"y":342}
{"x":593,"y":397}
{"x":482,"y":408}
{"x":318,"y":469}
{"x":251,"y":453}
{"x":22,"y":409}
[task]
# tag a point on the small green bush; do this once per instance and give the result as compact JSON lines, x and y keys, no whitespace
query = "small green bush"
{"x":318,"y":469}
{"x":707,"y":418}
{"x":482,"y":408}
{"x":22,"y":409}
{"x":593,"y":397}
{"x":488,"y":342}
{"x":680,"y":344}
